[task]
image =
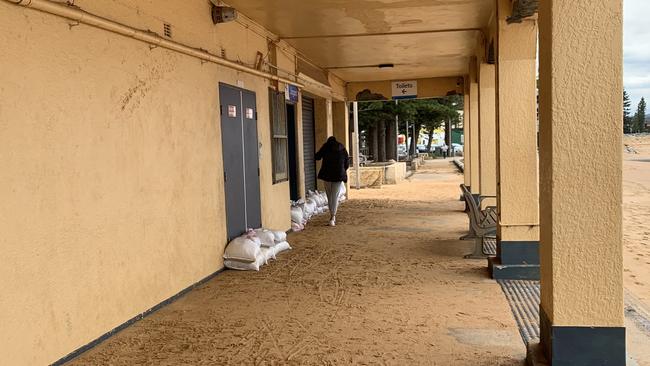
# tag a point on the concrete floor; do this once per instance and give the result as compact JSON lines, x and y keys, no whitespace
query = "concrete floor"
{"x":387,"y":286}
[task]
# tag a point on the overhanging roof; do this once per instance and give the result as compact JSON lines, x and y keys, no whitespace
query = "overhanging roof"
{"x":422,"y":38}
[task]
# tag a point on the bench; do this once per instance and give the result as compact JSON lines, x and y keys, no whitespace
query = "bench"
{"x":482,"y":223}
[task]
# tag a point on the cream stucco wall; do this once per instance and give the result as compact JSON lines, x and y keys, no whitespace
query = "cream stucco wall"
{"x":581,"y":162}
{"x":111,"y":172}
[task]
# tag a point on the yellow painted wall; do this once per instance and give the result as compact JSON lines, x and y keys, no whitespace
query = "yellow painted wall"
{"x":111,"y":169}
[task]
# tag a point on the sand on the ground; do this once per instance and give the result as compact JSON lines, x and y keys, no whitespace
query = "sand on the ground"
{"x":387,"y":286}
{"x":636,"y":217}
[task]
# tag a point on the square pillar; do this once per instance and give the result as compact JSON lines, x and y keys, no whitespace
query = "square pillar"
{"x":517,"y":166}
{"x":341,"y":126}
{"x":487,"y":134}
{"x":582,"y":311}
{"x":467,"y":147}
{"x":474,"y":129}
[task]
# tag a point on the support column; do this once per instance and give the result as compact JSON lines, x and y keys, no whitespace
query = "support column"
{"x":467,"y":146}
{"x":341,"y":125}
{"x":487,"y":134}
{"x":582,"y":308}
{"x":474,"y":129}
{"x":517,"y":178}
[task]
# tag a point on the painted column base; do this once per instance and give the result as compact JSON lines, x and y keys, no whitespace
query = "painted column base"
{"x":578,"y":346}
{"x":515,"y":260}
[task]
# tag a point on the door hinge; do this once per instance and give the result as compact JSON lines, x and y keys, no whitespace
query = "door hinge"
{"x":258,"y":171}
{"x":221,"y":110}
{"x":225,"y":177}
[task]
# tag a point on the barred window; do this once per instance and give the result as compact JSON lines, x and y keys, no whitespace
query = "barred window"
{"x":279,"y":136}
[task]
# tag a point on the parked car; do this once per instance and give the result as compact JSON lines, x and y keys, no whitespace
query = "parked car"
{"x":422,"y":148}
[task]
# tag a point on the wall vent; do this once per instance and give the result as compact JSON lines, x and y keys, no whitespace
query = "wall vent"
{"x":167,"y":30}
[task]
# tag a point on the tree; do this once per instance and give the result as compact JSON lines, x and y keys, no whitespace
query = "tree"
{"x":627,"y":113}
{"x":639,"y":117}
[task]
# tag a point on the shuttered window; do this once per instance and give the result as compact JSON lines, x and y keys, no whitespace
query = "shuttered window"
{"x":279,"y":138}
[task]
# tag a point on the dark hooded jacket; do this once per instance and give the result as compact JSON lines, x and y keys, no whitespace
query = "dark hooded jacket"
{"x":335,"y":161}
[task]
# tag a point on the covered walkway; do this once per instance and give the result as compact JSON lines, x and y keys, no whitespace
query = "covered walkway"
{"x":387,"y":286}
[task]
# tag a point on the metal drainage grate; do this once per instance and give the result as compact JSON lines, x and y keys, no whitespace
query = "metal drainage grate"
{"x":490,"y":246}
{"x":523,"y":297}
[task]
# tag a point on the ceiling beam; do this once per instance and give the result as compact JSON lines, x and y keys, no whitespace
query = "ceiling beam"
{"x":356,"y":35}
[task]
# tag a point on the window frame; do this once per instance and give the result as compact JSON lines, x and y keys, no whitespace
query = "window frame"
{"x":278,"y":115}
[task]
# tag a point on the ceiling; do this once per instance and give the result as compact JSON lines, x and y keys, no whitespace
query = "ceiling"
{"x":351,"y":37}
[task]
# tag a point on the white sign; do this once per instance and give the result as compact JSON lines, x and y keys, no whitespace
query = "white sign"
{"x":405,"y":89}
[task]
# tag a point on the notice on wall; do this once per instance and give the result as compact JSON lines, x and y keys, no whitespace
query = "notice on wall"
{"x":405,"y":89}
{"x":291,"y":93}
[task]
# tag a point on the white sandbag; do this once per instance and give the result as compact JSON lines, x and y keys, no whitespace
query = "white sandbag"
{"x":242,"y":249}
{"x":248,"y":266}
{"x":310,"y":209}
{"x":281,"y":247}
{"x":267,"y":238}
{"x":296,"y":214}
{"x":279,"y":236}
{"x":296,"y":227}
{"x":268,"y":254}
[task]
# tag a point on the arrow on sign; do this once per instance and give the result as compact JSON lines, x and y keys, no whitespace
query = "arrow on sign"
{"x":404,"y":91}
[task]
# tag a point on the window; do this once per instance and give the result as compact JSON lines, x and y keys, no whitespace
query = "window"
{"x":279,"y":136}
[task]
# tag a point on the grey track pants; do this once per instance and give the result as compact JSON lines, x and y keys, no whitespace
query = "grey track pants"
{"x":333,"y":190}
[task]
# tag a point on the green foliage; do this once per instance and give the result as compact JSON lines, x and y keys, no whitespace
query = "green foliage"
{"x":627,"y":113}
{"x":639,"y":117}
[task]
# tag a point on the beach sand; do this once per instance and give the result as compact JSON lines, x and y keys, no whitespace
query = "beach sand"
{"x":387,"y":286}
{"x":636,"y":217}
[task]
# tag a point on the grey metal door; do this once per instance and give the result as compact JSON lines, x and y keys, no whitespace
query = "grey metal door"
{"x":240,"y":159}
{"x":308,"y":143}
{"x":252,"y":162}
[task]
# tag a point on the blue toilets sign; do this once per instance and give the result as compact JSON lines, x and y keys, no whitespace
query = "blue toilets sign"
{"x":405,"y":89}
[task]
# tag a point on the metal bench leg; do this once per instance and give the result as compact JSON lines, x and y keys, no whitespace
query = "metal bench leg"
{"x":470,"y":236}
{"x":478,"y":250}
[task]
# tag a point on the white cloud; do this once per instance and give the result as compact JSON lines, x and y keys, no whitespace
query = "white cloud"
{"x":637,"y":49}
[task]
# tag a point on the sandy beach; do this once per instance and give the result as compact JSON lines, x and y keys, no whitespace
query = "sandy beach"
{"x":636,"y":217}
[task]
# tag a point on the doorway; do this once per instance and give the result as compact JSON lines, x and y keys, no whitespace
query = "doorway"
{"x":240,"y":159}
{"x":309,"y":142}
{"x":294,"y":192}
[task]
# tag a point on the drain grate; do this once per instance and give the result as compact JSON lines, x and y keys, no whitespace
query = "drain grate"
{"x":523,"y":297}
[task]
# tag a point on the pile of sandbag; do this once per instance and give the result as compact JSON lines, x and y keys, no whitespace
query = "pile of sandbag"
{"x":254,"y":249}
{"x":303,"y":210}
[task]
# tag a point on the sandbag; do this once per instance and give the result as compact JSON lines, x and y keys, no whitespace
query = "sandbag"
{"x":281,"y":247}
{"x":266,"y":237}
{"x":247,"y":266}
{"x":296,"y":227}
{"x":279,"y":236}
{"x":296,"y":215}
{"x":242,"y":249}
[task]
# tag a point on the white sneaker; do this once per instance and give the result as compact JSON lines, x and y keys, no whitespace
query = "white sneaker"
{"x":333,"y":222}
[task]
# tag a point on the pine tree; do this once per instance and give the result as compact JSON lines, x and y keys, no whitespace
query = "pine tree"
{"x":639,"y":117}
{"x":627,"y":113}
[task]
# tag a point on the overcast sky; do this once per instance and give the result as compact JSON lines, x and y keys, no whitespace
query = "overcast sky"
{"x":637,"y":50}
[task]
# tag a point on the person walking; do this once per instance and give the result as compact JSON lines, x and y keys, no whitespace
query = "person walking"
{"x":333,"y":172}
